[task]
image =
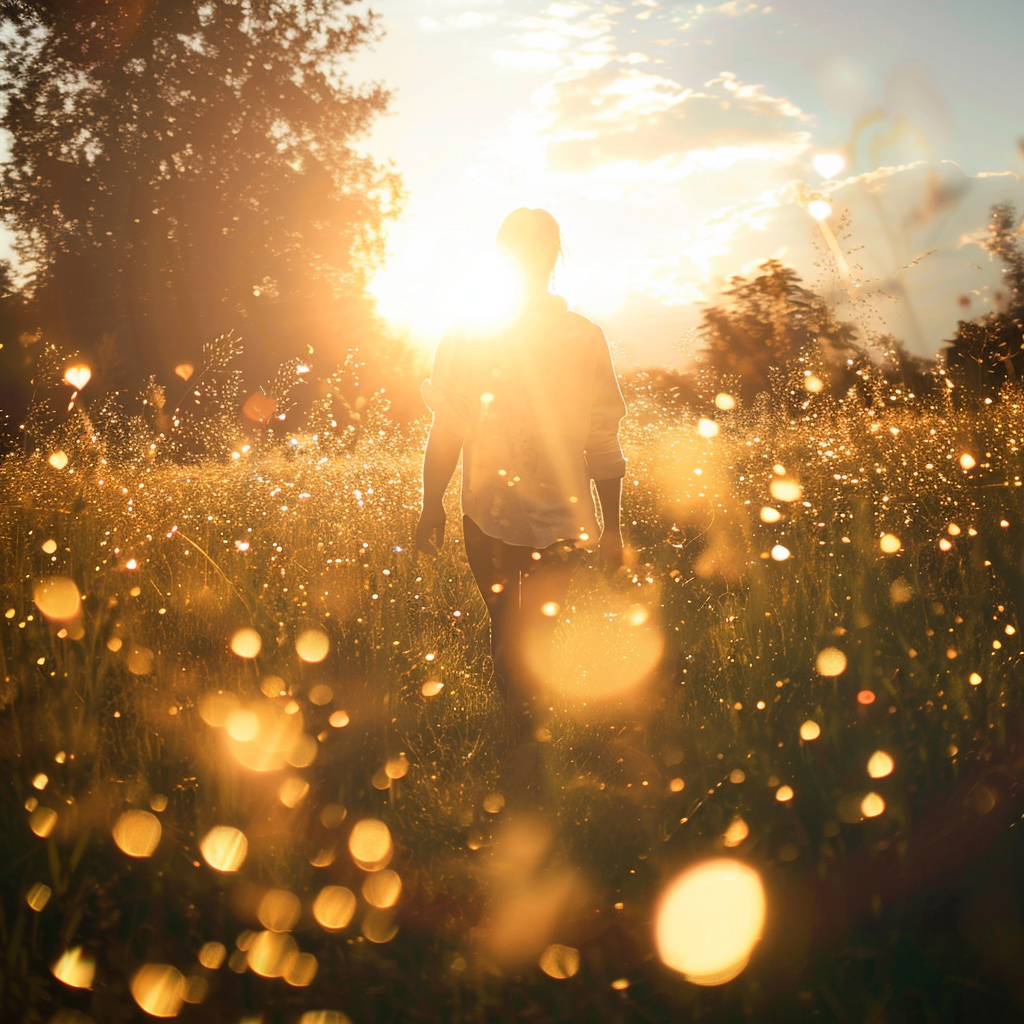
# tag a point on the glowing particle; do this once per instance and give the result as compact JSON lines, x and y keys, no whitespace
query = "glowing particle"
{"x":38,"y":896}
{"x":784,"y":794}
{"x":431,"y":688}
{"x":974,"y":679}
{"x":676,"y":785}
{"x":321,"y":694}
{"x":737,"y":775}
{"x":890,"y":543}
{"x":333,"y":907}
{"x":159,"y":989}
{"x":872,"y":805}
{"x":1009,"y":630}
{"x":880,"y":764}
{"x":785,"y":489}
{"x":724,"y":401}
{"x":621,"y":984}
{"x":39,"y":781}
{"x":830,"y":662}
{"x":382,"y":889}
{"x":865,"y":697}
{"x":967,"y":461}
{"x":184,"y":370}
{"x":780,"y":553}
{"x":246,"y":642}
{"x":550,"y":609}
{"x":560,"y":962}
{"x":370,"y":844}
{"x":301,"y":970}
{"x":58,"y":460}
{"x":212,"y":954}
{"x":770,"y":515}
{"x":75,"y":968}
{"x":49,"y":546}
{"x":42,"y":820}
{"x":814,"y":384}
{"x":77,"y":375}
{"x":709,"y":919}
{"x":820,"y":209}
{"x":278,"y":910}
{"x":810,"y":730}
{"x":737,"y":831}
{"x":707,"y":428}
{"x":312,"y":645}
{"x":493,"y":803}
{"x":397,"y":767}
{"x":636,"y":615}
{"x":137,"y":833}
{"x":224,"y":848}
{"x":339,"y":719}
{"x":57,"y":597}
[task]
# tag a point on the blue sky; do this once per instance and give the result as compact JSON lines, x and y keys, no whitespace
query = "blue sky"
{"x":676,"y":145}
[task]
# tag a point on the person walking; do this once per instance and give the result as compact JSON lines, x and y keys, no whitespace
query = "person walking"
{"x":534,"y":408}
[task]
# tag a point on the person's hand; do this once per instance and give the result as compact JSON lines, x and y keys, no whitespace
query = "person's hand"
{"x":430,"y":529}
{"x":609,"y":551}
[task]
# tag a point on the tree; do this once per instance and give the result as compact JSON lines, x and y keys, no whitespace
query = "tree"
{"x":986,"y":352}
{"x":180,"y":168}
{"x":768,"y":323}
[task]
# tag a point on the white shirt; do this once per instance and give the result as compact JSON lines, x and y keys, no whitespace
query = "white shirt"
{"x":538,"y":407}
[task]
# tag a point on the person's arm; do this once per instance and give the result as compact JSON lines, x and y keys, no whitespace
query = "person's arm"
{"x":439,"y":462}
{"x":609,"y":494}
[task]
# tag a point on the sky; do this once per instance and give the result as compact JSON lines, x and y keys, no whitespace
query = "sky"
{"x":680,"y":144}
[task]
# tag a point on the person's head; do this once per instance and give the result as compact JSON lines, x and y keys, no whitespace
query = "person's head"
{"x":533,"y":240}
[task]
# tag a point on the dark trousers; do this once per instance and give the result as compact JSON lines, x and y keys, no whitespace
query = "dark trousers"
{"x":524,"y":589}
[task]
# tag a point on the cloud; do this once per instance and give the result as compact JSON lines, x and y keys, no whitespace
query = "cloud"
{"x":614,"y":113}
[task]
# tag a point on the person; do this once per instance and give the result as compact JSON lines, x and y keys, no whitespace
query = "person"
{"x":534,"y":408}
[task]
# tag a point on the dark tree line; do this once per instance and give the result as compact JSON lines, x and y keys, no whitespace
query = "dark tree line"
{"x":772,"y":323}
{"x":182,"y":168}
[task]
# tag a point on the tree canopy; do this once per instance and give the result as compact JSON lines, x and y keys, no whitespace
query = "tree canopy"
{"x":179,"y":168}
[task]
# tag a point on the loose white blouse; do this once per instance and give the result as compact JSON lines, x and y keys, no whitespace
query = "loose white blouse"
{"x":538,"y":407}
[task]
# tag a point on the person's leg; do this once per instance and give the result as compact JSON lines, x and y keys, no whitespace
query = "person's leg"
{"x":499,"y":587}
{"x":543,"y":592}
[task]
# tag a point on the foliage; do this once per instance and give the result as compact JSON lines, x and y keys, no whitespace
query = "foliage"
{"x":990,"y":350}
{"x":768,"y":323}
{"x":178,"y":169}
{"x":127,"y":708}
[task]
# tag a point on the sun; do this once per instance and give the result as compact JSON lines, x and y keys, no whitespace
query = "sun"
{"x":427,"y":290}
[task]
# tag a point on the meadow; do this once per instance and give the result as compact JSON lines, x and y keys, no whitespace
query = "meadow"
{"x":254,"y":766}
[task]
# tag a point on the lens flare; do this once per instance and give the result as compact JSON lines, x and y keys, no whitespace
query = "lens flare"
{"x":709,"y":919}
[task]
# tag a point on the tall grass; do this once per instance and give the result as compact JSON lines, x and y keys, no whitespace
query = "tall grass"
{"x":682,"y":687}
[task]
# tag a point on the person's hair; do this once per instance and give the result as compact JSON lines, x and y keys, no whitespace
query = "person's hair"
{"x":533,"y":238}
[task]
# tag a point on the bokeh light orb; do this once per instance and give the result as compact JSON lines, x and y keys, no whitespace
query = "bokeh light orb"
{"x":137,"y":833}
{"x":159,"y":989}
{"x":224,"y":848}
{"x":370,"y":844}
{"x":57,"y":598}
{"x":709,"y":919}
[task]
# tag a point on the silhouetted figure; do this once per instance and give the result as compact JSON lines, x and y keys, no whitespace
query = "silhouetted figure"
{"x":534,"y":408}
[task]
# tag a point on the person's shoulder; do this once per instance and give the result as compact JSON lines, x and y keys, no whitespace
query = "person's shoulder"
{"x":585,"y":327}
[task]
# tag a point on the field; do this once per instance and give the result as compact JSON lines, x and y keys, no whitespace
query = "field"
{"x":810,"y":665}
